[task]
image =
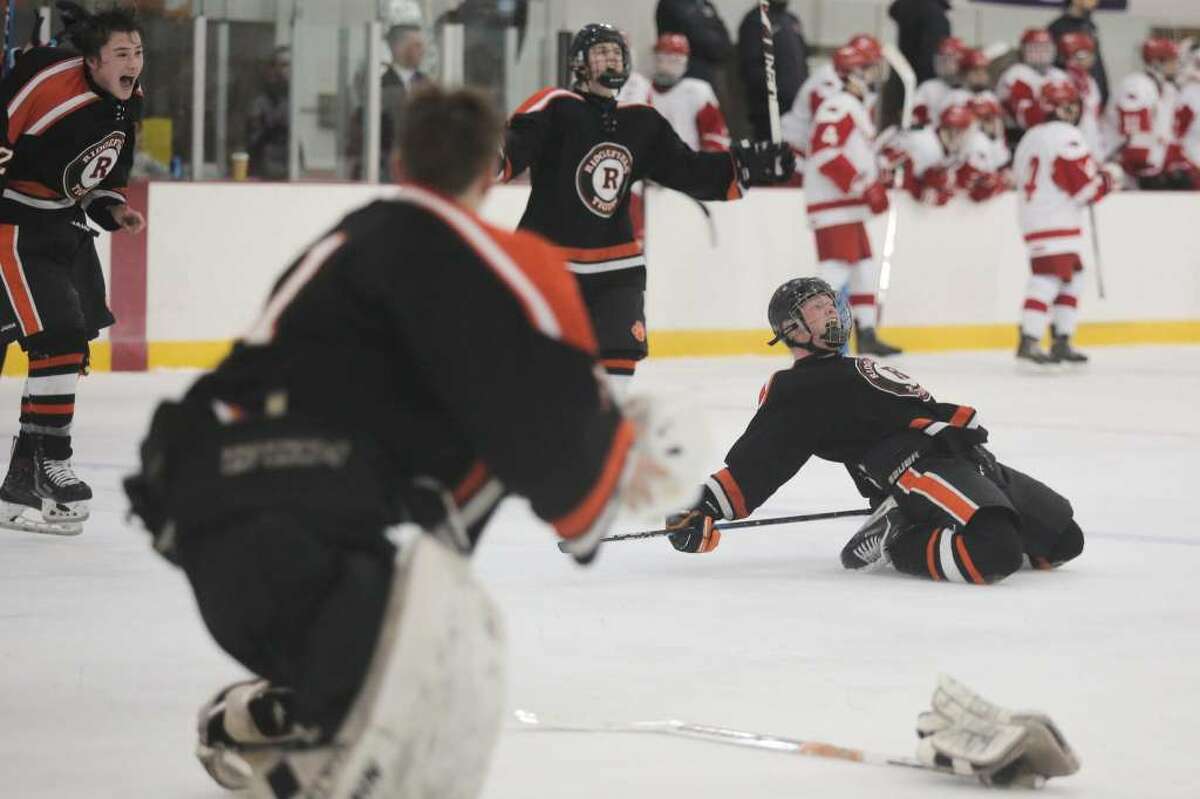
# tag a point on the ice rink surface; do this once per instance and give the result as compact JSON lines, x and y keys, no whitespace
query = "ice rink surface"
{"x":105,"y":659}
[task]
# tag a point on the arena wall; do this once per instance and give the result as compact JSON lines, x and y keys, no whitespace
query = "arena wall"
{"x":185,"y":289}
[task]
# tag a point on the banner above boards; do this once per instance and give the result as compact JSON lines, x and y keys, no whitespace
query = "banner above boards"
{"x":1104,"y":5}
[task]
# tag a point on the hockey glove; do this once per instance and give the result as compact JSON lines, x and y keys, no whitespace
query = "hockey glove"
{"x":877,"y":197}
{"x":986,"y":187}
{"x":763,"y":163}
{"x":696,"y":532}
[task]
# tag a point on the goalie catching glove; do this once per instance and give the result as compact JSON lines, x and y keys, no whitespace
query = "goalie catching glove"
{"x":966,"y":733}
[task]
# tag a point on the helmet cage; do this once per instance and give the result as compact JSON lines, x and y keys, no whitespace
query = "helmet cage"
{"x":786,"y":314}
{"x":581,"y":47}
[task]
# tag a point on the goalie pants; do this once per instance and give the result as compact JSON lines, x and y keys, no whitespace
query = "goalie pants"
{"x":295,"y":598}
{"x":975,"y":520}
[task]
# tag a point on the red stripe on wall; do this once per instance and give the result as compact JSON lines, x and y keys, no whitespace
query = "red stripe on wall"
{"x":128,"y":292}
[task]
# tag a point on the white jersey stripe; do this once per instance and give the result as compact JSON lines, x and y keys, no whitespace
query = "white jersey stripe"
{"x":59,"y":111}
{"x":37,"y":202}
{"x":606,"y":266}
{"x":946,"y":556}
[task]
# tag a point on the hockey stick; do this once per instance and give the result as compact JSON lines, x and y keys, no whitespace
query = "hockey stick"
{"x":806,"y":517}
{"x":8,"y":24}
{"x":1096,"y":251}
{"x":768,"y":43}
{"x":908,"y":78}
{"x":723,"y":735}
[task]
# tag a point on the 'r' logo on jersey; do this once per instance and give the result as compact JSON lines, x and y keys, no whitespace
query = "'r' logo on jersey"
{"x":91,"y":167}
{"x":602,"y":177}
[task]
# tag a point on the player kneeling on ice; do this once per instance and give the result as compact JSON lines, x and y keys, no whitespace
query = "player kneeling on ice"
{"x":944,"y":507}
{"x":415,"y":366}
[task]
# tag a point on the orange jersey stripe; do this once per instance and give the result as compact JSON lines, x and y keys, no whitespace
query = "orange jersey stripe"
{"x":13,"y":275}
{"x":962,"y":416}
{"x":733,"y":491}
{"x":592,"y":255}
{"x":45,"y":91}
{"x":959,"y":545}
{"x":939,"y":494}
{"x":71,"y":359}
{"x":931,"y":555}
{"x":580,"y":520}
{"x":618,"y":363}
{"x":64,"y":409}
{"x":477,"y":475}
{"x":34,"y":189}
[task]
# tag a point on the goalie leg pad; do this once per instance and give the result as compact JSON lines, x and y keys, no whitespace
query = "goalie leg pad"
{"x":428,"y":715}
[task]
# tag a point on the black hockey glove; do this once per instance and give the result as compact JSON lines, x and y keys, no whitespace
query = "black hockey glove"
{"x":696,"y":532}
{"x":763,"y":163}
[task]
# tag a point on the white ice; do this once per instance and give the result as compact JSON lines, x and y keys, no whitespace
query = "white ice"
{"x":105,"y":659}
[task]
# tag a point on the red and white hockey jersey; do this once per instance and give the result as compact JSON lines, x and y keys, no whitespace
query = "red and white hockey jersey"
{"x":1056,"y":178}
{"x":1018,"y":89}
{"x":934,"y":176}
{"x":796,"y":124}
{"x":1187,"y":123}
{"x":929,"y":100}
{"x":1091,"y":118}
{"x":841,"y":163}
{"x":690,"y":106}
{"x":1143,"y":119}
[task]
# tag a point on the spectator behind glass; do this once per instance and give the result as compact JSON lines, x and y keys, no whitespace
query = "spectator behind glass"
{"x":923,"y":24}
{"x":1077,"y":18}
{"x":401,"y":77}
{"x":267,"y":125}
{"x":791,"y":62}
{"x":706,"y":33}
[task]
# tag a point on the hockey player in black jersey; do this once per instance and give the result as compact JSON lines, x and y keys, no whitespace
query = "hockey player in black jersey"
{"x":414,"y":366}
{"x":584,"y":151}
{"x":945,"y":508}
{"x":67,"y":121}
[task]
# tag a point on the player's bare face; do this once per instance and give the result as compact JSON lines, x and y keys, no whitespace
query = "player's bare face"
{"x":1082,"y":60}
{"x":1039,"y":55}
{"x":119,"y":64}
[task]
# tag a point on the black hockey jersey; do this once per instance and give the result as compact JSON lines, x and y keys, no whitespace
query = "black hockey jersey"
{"x":445,"y":347}
{"x":584,"y":153}
{"x":72,"y":142}
{"x":856,"y":411}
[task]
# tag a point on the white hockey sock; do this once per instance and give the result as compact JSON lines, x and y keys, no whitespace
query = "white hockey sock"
{"x":863,"y":283}
{"x":1039,"y":292}
{"x":619,"y":386}
{"x":1066,"y":306}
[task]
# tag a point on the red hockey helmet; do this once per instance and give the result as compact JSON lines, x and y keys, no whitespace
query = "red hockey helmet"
{"x":952,"y":46}
{"x":849,"y":60}
{"x":974,"y":58}
{"x":1078,"y":42}
{"x":984,"y":108}
{"x":1158,"y":49}
{"x":869,"y":45}
{"x":956,"y":117}
{"x":1060,"y":99}
{"x":675,"y":43}
{"x":1037,"y":48}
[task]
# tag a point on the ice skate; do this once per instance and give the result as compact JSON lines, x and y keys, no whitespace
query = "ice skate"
{"x":1031,"y":356}
{"x":868,"y":547}
{"x":868,"y":343}
{"x":43,"y":496}
{"x":1062,"y":351}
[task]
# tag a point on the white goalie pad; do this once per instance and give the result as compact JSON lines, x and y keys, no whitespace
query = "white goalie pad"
{"x":1004,"y":747}
{"x":429,"y":714}
{"x":672,"y":437}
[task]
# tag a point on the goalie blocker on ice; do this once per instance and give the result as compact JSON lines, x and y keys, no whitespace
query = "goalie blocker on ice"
{"x":945,"y":508}
{"x":415,"y":364}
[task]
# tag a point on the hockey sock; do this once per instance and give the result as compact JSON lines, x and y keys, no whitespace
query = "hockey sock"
{"x":986,"y":550}
{"x":863,"y":282}
{"x":48,"y":406}
{"x":1066,"y":306}
{"x":1040,"y":290}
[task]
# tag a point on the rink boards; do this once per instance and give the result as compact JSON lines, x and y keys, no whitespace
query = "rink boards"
{"x":185,"y":289}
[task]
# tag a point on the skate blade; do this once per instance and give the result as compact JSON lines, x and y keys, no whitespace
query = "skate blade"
{"x":1028,"y":367}
{"x":21,"y":518}
{"x":65,"y":513}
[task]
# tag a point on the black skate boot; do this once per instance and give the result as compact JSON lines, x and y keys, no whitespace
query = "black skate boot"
{"x":17,"y":489}
{"x":869,"y":545}
{"x":21,"y":505}
{"x":1062,"y":351}
{"x":1029,"y":352}
{"x":867,"y":343}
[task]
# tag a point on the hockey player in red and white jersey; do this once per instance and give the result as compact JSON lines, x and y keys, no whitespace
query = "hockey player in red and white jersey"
{"x":1187,"y":122}
{"x":843,"y":189}
{"x":990,"y":120}
{"x":1077,"y":51}
{"x":1057,"y":178}
{"x":824,"y":83}
{"x":931,"y":94}
{"x":1020,"y":86}
{"x":950,"y":157}
{"x":1143,"y":114}
{"x":976,"y":81}
{"x":689,"y":104}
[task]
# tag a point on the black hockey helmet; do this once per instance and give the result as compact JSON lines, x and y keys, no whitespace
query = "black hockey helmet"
{"x":784,"y":313}
{"x":588,"y":37}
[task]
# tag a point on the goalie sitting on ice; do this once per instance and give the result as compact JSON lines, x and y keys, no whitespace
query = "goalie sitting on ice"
{"x":413,"y":366}
{"x":945,"y":508}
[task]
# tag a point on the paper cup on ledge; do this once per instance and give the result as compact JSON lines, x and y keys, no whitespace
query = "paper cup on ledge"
{"x":239,"y":165}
